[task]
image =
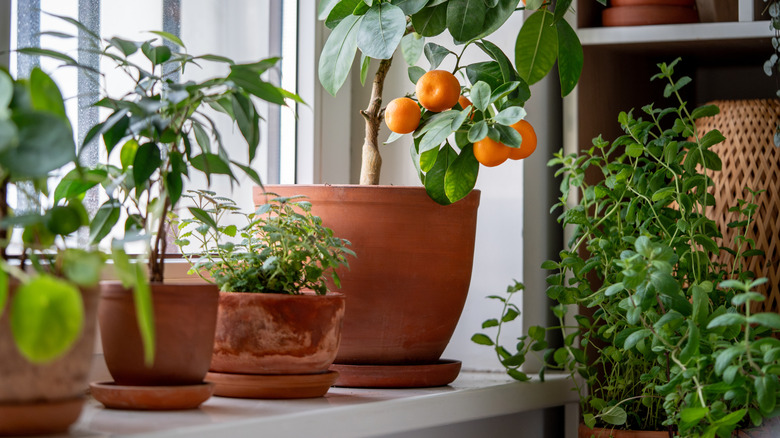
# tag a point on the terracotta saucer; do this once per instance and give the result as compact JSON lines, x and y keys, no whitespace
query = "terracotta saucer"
{"x":440,"y":373}
{"x":271,"y":385}
{"x":39,"y":418}
{"x":151,"y":398}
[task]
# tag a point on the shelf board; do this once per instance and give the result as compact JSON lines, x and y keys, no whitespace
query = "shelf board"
{"x":343,"y":412}
{"x":705,"y":34}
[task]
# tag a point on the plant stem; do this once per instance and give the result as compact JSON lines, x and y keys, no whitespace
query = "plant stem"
{"x":372,"y":161}
{"x":157,"y":252}
{"x":4,"y":211}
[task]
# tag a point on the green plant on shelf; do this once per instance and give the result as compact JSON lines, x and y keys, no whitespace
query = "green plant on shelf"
{"x":668,"y":339}
{"x":282,"y":248}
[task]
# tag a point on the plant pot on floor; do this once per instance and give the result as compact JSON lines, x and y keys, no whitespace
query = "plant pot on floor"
{"x":185,"y":317}
{"x":276,"y":345}
{"x":406,"y":287}
{"x":45,"y":398}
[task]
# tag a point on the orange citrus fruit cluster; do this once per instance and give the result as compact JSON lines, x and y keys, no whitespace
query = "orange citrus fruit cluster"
{"x":439,"y":90}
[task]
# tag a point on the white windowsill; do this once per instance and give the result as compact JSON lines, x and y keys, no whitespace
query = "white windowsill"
{"x":343,"y":412}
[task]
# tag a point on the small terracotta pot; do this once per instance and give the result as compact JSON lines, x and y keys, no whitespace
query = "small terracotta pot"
{"x":261,"y":333}
{"x":408,"y":284}
{"x":54,"y":389}
{"x":586,"y":432}
{"x":185,"y":317}
{"x":644,"y":15}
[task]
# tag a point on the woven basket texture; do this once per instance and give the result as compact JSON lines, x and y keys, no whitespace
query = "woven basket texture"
{"x":750,"y":159}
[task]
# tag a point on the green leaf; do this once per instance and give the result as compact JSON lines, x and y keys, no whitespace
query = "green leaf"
{"x":127,"y":153}
{"x":249,"y":81}
{"x":771,"y":320}
{"x":339,"y":11}
{"x":415,"y":73}
{"x":570,"y":57}
{"x":635,"y":150}
{"x":75,"y":184}
{"x":536,"y":48}
{"x":510,"y":116}
{"x":381,"y":30}
{"x":169,"y":37}
{"x":247,"y":120}
{"x":203,"y":217}
{"x":561,"y":7}
{"x":437,"y":131}
{"x":174,"y":187}
{"x":711,"y":138}
{"x":435,"y":54}
{"x":480,"y":95}
{"x":142,"y":296}
{"x":693,"y":414}
{"x":465,"y":19}
{"x":481,"y":339}
{"x":365,"y":62}
{"x":82,"y":267}
{"x":434,"y":179}
{"x":461,"y":176}
{"x":46,"y":318}
{"x":635,"y":337}
{"x":766,"y":387}
{"x":613,"y":415}
{"x":705,"y":111}
{"x":488,"y":72}
{"x":497,"y":16}
{"x":691,"y":348}
{"x":509,"y":136}
{"x":34,"y":51}
{"x":478,"y":131}
{"x":146,"y":161}
{"x":45,"y":144}
{"x":45,"y":95}
{"x":430,"y":21}
{"x":662,"y":194}
{"x":156,"y":54}
{"x":725,"y":357}
{"x":63,"y":220}
{"x":210,"y":164}
{"x":105,"y":219}
{"x":412,"y":47}
{"x":338,"y":53}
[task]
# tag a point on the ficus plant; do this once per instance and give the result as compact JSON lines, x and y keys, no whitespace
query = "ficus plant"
{"x":498,"y":88}
{"x":39,"y":286}
{"x":280,"y":248}
{"x":666,"y":338}
{"x":157,"y":134}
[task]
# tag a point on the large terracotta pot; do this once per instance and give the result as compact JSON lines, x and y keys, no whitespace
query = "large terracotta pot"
{"x":277,"y":334}
{"x":408,"y":284}
{"x":54,"y":390}
{"x":586,"y":432}
{"x":185,"y":317}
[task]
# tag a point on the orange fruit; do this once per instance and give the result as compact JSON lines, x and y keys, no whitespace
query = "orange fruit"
{"x":402,"y":115}
{"x":438,"y":90}
{"x":490,"y":152}
{"x":464,"y":102}
{"x":529,"y":141}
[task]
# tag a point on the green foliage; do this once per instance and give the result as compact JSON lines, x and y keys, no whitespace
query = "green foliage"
{"x":498,"y":89}
{"x":283,"y":248}
{"x":673,"y":339}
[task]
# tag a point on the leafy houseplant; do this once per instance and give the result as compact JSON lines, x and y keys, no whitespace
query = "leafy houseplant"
{"x":498,"y":90}
{"x":276,"y":320}
{"x":668,"y":340}
{"x":47,"y":311}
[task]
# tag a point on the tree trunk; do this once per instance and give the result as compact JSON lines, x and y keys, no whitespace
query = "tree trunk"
{"x":159,"y":248}
{"x":372,"y":161}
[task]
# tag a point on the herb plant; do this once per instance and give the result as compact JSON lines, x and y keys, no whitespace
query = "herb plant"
{"x":667,"y":338}
{"x":498,"y":89}
{"x":283,"y":248}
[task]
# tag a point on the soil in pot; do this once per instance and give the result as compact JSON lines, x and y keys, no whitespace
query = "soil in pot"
{"x":45,"y":398}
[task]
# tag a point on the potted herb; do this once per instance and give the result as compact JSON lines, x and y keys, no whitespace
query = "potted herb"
{"x":668,"y":339}
{"x":278,"y":327}
{"x":423,"y":232}
{"x":156,"y":135}
{"x":48,"y":300}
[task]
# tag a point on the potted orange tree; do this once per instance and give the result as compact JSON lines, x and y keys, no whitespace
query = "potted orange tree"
{"x":278,"y":326}
{"x":48,"y":294}
{"x":415,"y":245}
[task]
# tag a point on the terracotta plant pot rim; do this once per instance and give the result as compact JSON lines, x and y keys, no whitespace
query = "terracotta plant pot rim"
{"x":306,"y":293}
{"x":368,"y":193}
{"x":115,"y":289}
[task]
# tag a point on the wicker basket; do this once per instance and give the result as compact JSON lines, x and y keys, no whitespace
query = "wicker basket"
{"x":750,"y":159}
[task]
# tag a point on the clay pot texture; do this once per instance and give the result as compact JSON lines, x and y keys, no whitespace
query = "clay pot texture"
{"x":585,"y":432}
{"x":261,"y":333}
{"x":62,"y":382}
{"x":185,"y":317}
{"x":408,"y":284}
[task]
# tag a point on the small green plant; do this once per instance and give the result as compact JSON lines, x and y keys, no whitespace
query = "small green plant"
{"x":283,"y":248}
{"x":671,"y":341}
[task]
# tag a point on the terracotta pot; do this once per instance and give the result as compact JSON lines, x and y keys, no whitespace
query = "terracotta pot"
{"x":586,"y":432}
{"x":408,"y":284}
{"x":647,"y":15}
{"x":55,"y":389}
{"x":185,"y":317}
{"x":277,"y":334}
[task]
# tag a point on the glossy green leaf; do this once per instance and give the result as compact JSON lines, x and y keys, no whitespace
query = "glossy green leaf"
{"x":481,"y":339}
{"x":430,"y":21}
{"x":478,"y":131}
{"x":76,"y":183}
{"x":142,"y":297}
{"x":570,"y":56}
{"x":461,"y":176}
{"x":174,"y":187}
{"x":480,"y":95}
{"x":127,"y":153}
{"x":496,"y":17}
{"x":509,"y":136}
{"x":434,"y":179}
{"x":250,"y":81}
{"x":613,"y":415}
{"x":536,"y":47}
{"x":105,"y":219}
{"x":169,"y":37}
{"x":510,"y":116}
{"x":412,"y":47}
{"x":203,"y":217}
{"x":338,"y":53}
{"x":45,"y":95}
{"x":211,"y":164}
{"x":693,"y":414}
{"x":45,"y":144}
{"x":63,"y":220}
{"x":415,"y":73}
{"x":325,"y":6}
{"x":156,"y":54}
{"x":771,"y":320}
{"x":82,"y":267}
{"x":465,"y":19}
{"x":508,"y":72}
{"x":488,"y":72}
{"x":146,"y":161}
{"x":435,"y":54}
{"x":381,"y":30}
{"x":410,"y":7}
{"x":46,"y":318}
